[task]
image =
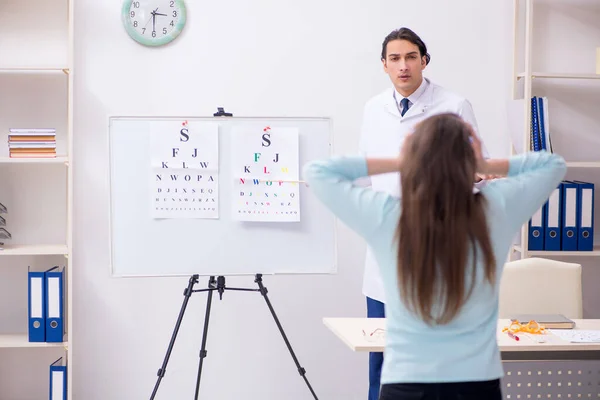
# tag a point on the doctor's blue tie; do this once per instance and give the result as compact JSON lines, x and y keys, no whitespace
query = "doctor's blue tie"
{"x":405,"y":106}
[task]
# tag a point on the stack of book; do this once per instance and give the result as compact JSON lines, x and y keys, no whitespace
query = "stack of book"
{"x":32,"y":143}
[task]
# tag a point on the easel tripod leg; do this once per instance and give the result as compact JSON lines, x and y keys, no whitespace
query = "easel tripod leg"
{"x":211,"y":284}
{"x":302,"y":371}
{"x":186,"y":293}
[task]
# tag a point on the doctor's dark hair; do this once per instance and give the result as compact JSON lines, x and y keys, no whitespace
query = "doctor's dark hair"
{"x":443,"y":226}
{"x":409,"y":35}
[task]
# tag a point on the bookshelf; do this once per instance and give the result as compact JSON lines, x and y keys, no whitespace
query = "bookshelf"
{"x":36,"y":91}
{"x":56,"y":160}
{"x":34,"y":250}
{"x":22,"y":341}
{"x":540,"y":35}
{"x":553,"y":75}
{"x":535,"y":253}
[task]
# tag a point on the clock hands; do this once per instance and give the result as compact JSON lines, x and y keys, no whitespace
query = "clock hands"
{"x":154,"y":14}
{"x":154,"y":20}
{"x":150,"y":19}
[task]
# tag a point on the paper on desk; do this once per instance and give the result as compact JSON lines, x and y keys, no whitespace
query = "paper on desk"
{"x":577,"y":335}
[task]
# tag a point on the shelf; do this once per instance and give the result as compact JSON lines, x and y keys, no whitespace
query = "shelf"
{"x":33,"y":70}
{"x":583,"y":164}
{"x":22,"y":340}
{"x":55,"y":160}
{"x":553,"y":75}
{"x":594,"y":253}
{"x":33,"y":250}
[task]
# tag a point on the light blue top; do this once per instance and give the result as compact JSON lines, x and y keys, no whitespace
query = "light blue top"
{"x":466,"y":348}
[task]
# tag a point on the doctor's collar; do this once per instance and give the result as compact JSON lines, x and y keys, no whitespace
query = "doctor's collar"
{"x":415,"y":96}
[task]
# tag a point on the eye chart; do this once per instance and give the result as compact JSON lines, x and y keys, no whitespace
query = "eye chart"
{"x":184,"y":170}
{"x":266,"y":172}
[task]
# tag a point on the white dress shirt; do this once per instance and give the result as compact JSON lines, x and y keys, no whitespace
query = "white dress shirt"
{"x":413,"y":98}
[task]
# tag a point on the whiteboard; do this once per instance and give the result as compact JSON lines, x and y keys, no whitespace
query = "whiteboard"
{"x":143,"y":246}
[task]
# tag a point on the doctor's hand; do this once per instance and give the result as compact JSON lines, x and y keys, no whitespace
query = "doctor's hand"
{"x":480,"y":162}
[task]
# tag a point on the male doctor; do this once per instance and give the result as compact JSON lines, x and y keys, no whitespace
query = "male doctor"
{"x":388,"y":118}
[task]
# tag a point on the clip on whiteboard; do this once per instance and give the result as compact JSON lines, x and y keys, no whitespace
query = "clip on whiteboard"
{"x":221,"y":113}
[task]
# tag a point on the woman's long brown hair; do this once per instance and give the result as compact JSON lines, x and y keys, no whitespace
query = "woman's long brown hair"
{"x":443,"y":225}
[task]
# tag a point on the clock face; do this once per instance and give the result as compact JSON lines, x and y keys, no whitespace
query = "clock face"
{"x":153,"y":22}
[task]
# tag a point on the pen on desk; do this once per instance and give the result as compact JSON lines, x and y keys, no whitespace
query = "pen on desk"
{"x":513,"y":336}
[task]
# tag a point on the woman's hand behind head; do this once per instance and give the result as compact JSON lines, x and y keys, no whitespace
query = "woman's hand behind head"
{"x":480,"y":163}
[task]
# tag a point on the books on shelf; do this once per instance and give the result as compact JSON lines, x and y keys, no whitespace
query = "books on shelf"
{"x":539,"y":129}
{"x":566,"y":221}
{"x":32,"y":142}
{"x":58,"y":380}
{"x":46,"y":305}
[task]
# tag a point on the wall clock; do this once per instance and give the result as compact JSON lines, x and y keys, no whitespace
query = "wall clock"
{"x":153,"y":22}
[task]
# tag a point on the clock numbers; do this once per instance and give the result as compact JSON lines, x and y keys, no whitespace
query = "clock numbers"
{"x":154,"y":22}
{"x":157,"y":20}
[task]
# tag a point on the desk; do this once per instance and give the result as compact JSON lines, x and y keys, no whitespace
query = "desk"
{"x":350,"y":331}
{"x":553,"y":370}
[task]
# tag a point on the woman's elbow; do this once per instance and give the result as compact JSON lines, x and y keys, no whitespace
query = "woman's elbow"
{"x":560,"y":165}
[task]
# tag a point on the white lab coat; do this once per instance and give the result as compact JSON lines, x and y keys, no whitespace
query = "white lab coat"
{"x":382,"y":134}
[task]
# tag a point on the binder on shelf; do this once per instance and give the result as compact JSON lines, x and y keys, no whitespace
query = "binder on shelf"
{"x":535,"y":141}
{"x":544,"y":134}
{"x":569,"y":216}
{"x":536,"y":229}
{"x":58,"y":380}
{"x":539,"y":135}
{"x":54,"y":305}
{"x":585,"y":219}
{"x":36,"y":307}
{"x":545,"y":124}
{"x":552,"y":237}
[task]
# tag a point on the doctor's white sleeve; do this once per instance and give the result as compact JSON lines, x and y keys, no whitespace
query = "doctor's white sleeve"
{"x":364,"y":181}
{"x":467,"y":113}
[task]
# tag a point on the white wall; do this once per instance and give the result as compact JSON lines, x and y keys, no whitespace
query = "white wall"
{"x":265,"y":58}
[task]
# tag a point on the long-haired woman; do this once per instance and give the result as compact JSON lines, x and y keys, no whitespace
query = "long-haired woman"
{"x":441,"y":247}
